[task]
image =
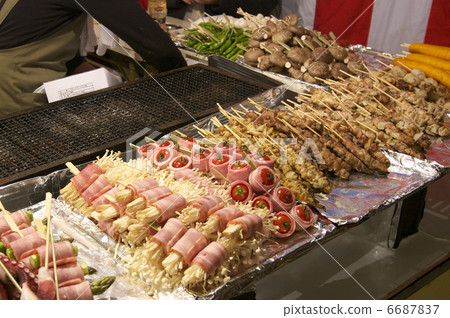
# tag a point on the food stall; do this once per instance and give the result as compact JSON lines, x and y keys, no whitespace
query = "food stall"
{"x":177,"y":117}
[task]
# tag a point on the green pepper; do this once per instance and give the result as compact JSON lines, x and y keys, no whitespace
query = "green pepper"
{"x":2,"y":248}
{"x":225,"y":46}
{"x":195,"y":47}
{"x":229,"y":55}
{"x":233,"y":58}
{"x":222,"y":40}
{"x":230,"y":49}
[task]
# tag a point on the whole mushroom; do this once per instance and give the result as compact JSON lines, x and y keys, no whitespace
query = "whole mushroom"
{"x":261,"y":34}
{"x":319,"y":69}
{"x":279,"y":59}
{"x":322,"y":54}
{"x":291,"y":19}
{"x":336,"y":70}
{"x":252,"y":55}
{"x":338,"y":52}
{"x":298,"y":54}
{"x":282,"y":36}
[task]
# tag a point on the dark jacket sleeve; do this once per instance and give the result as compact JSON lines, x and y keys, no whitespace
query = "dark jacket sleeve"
{"x":230,"y":7}
{"x":131,"y":23}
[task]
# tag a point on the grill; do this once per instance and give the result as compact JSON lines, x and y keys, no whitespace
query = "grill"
{"x":45,"y":138}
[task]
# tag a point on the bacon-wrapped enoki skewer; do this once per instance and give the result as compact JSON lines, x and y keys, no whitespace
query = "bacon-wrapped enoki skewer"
{"x":133,"y":189}
{"x":163,"y":209}
{"x":146,"y":199}
{"x":199,"y":209}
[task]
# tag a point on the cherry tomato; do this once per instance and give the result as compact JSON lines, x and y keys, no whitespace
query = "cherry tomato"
{"x":225,"y":144}
{"x":243,"y":149}
{"x":285,"y":195}
{"x":191,"y":139}
{"x":202,"y":153}
{"x":304,"y":212}
{"x":220,"y":159}
{"x":239,"y":192}
{"x":283,"y":223}
{"x":165,"y":143}
{"x":147,"y":147}
{"x":180,"y":162}
{"x":238,"y":165}
{"x":263,"y":157}
{"x":261,"y":203}
{"x":267,"y":176}
{"x":162,"y":155}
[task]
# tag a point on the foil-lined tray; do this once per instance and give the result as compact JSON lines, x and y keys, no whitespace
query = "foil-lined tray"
{"x":362,"y":195}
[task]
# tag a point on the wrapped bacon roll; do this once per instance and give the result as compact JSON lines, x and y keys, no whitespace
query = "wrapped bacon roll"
{"x":135,"y":188}
{"x":147,"y":198}
{"x":186,"y":143}
{"x":200,"y":158}
{"x":27,"y":243}
{"x":210,"y":258}
{"x":242,"y":153}
{"x":218,"y":166}
{"x":165,"y":239}
{"x":262,"y":160}
{"x":64,"y":253}
{"x":225,"y":148}
{"x":262,"y":202}
{"x":102,"y":200}
{"x":262,"y":179}
{"x":304,"y":217}
{"x":184,"y":251}
{"x":180,"y":162}
{"x":199,"y":209}
{"x":165,"y":144}
{"x":238,"y":170}
{"x":163,"y":156}
{"x":285,"y":224}
{"x":20,"y":217}
{"x":146,"y":151}
{"x":86,"y":176}
{"x":218,"y":220}
{"x":244,"y":227}
{"x":11,"y":236}
{"x":80,"y":291}
{"x":99,"y":187}
{"x":241,"y":191}
{"x":163,"y":209}
{"x":68,"y":274}
{"x":283,"y":199}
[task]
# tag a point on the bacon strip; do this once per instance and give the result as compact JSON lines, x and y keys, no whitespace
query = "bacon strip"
{"x":141,"y":186}
{"x":239,"y":174}
{"x":227,"y":214}
{"x":20,"y":217}
{"x":84,"y":179}
{"x":172,"y":231}
{"x":25,"y":244}
{"x":190,"y":245}
{"x":207,"y":205}
{"x":155,"y":194}
{"x":64,"y":254}
{"x":80,"y":291}
{"x":251,"y":223}
{"x":168,"y":206}
{"x":108,"y":226}
{"x":46,"y":287}
{"x":99,"y":187}
{"x":210,"y":258}
{"x":12,"y":236}
{"x":68,"y":273}
{"x":256,"y":180}
{"x":102,"y":200}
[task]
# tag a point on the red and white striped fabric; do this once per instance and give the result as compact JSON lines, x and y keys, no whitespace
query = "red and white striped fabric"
{"x":380,"y":24}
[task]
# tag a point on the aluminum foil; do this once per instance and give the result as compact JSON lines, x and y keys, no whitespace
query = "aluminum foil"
{"x":362,"y":195}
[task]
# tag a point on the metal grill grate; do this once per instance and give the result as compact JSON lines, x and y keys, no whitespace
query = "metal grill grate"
{"x":76,"y":127}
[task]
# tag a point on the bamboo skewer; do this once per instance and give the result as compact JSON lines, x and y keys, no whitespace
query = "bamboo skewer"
{"x":48,"y":207}
{"x":72,"y":168}
{"x":369,"y":128}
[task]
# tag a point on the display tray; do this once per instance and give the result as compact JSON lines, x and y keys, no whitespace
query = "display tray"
{"x":362,"y":195}
{"x":106,"y":254}
{"x":44,"y":138}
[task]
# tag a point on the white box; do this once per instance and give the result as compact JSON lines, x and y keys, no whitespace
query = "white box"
{"x":80,"y":84}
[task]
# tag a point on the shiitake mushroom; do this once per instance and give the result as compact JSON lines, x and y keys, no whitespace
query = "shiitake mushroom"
{"x":252,"y":55}
{"x":338,"y":52}
{"x":261,"y":34}
{"x":319,"y":69}
{"x":298,"y":54}
{"x":297,"y":30}
{"x":254,"y":43}
{"x":281,"y":36}
{"x":275,"y":69}
{"x":322,"y":54}
{"x":291,"y":19}
{"x":279,"y":59}
{"x":264,"y":62}
{"x":273,"y":47}
{"x":281,"y":25}
{"x":272,"y":26}
{"x":307,"y":77}
{"x":336,"y":70}
{"x":296,"y":73}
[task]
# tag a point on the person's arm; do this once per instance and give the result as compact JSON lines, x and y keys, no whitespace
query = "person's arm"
{"x":131,"y":23}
